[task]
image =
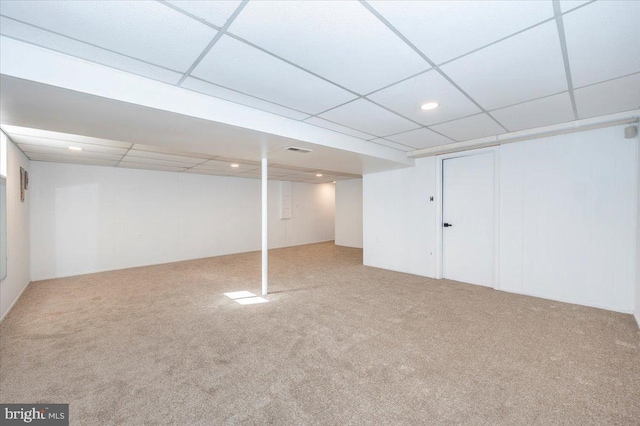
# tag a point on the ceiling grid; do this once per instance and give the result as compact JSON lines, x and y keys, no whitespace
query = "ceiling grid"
{"x":565,"y":54}
{"x":381,"y":116}
{"x":429,"y":61}
{"x":212,"y":43}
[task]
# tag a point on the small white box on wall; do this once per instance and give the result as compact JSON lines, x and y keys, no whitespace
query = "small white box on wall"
{"x":285,"y":200}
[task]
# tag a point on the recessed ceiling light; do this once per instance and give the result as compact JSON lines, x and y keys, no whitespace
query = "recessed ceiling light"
{"x":429,"y":105}
{"x":75,"y":148}
{"x":235,"y":165}
{"x":318,"y":174}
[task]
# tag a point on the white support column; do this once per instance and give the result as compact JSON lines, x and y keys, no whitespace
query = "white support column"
{"x":265,"y":223}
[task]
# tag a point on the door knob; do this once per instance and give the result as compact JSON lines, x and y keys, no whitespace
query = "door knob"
{"x":446,"y":225}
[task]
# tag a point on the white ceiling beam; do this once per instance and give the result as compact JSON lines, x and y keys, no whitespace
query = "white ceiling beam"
{"x":540,"y":132}
{"x":25,"y":61}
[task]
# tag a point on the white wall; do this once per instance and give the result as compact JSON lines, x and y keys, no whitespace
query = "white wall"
{"x":349,"y":213}
{"x":637,"y":310}
{"x":568,"y":209}
{"x":87,"y":219}
{"x":312,"y":214}
{"x":17,"y":278}
{"x":568,"y":212}
{"x":399,"y":219}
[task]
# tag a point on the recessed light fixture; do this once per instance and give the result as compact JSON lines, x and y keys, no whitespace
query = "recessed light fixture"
{"x":75,"y":148}
{"x":428,"y":106}
{"x":318,"y":174}
{"x":235,"y":165}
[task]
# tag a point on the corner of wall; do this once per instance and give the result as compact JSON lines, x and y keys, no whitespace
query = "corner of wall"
{"x":348,"y":213}
{"x":636,"y":313}
{"x":18,"y":232}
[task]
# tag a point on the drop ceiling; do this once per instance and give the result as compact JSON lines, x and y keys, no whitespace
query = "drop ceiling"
{"x":364,"y":68}
{"x":48,"y":146}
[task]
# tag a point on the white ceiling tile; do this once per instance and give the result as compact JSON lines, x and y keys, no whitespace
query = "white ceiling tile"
{"x":145,"y":166}
{"x":163,"y":156}
{"x":281,"y":171}
{"x":567,"y":5}
{"x":155,"y":162}
{"x":309,"y":176}
{"x":248,"y":70}
{"x":420,"y":138}
{"x":347,"y":175}
{"x":171,"y":151}
{"x":317,"y":121}
{"x":622,"y":94}
{"x":341,"y":41}
{"x":521,"y":68}
{"x":59,"y":43}
{"x":240,"y":98}
{"x":288,"y":167}
{"x":391,"y":144}
{"x":71,"y":160}
{"x":407,"y":97}
{"x":146,"y":30}
{"x":214,"y":12}
{"x":40,"y":149}
{"x":238,"y":161}
{"x":444,"y":30}
{"x":478,"y":126}
{"x":61,"y":144}
{"x":38,"y":133}
{"x":329,"y":177}
{"x":225,"y":165}
{"x":541,"y":112}
{"x":278,"y":176}
{"x":205,"y":172}
{"x":280,"y":179}
{"x":368,"y":117}
{"x":603,"y":41}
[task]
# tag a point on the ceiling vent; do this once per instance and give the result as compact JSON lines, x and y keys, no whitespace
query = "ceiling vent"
{"x":296,"y":149}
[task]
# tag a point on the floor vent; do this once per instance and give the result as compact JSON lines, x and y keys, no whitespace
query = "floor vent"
{"x":296,"y":149}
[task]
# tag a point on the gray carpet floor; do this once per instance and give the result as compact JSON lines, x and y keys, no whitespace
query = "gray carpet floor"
{"x":337,"y":343}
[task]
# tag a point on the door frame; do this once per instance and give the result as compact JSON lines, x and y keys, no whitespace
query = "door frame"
{"x":496,"y":208}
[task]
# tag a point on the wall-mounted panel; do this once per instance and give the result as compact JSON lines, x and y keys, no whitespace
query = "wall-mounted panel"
{"x":285,"y":200}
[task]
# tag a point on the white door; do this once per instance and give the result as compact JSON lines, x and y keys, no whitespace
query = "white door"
{"x":468,"y":219}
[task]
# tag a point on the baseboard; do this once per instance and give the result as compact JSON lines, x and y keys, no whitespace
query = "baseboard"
{"x":98,"y":271}
{"x":346,"y":245}
{"x":15,"y":301}
{"x":388,"y":268}
{"x":300,"y":244}
{"x":637,"y":317}
{"x":555,"y":299}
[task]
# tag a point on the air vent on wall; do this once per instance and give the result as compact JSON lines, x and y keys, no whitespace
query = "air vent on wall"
{"x":296,"y":149}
